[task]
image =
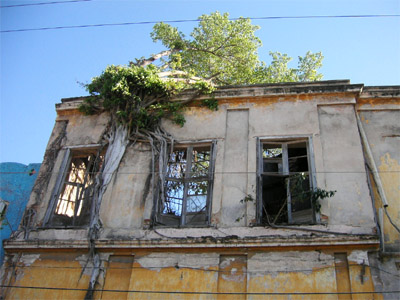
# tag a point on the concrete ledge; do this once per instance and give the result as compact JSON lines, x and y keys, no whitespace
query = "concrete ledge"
{"x":389,"y":91}
{"x":172,"y":238}
{"x":257,"y":90}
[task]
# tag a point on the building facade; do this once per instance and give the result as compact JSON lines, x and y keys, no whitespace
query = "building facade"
{"x":287,"y":191}
{"x":16,"y":183}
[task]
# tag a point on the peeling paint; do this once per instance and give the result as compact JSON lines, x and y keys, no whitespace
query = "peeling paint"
{"x":389,"y":169}
{"x":291,"y":261}
{"x":158,"y":261}
{"x":29,"y":259}
{"x":359,"y":256}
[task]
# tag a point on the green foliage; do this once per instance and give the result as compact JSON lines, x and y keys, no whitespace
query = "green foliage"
{"x":320,"y":194}
{"x":212,"y":104}
{"x":218,"y":48}
{"x":226,"y":51}
{"x":136,"y":96}
{"x":302,"y":193}
{"x":279,"y":71}
{"x":219,"y":51}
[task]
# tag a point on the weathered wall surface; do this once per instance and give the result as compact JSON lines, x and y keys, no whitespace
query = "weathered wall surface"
{"x":230,"y":255}
{"x":344,"y":166}
{"x":84,"y":130}
{"x":196,"y":275}
{"x":385,"y":271}
{"x":54,"y":271}
{"x":129,"y":191}
{"x":16,"y":182}
{"x":235,"y":127}
{"x":382,"y":128}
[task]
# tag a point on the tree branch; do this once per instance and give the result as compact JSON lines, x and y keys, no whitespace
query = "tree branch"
{"x":146,"y":61}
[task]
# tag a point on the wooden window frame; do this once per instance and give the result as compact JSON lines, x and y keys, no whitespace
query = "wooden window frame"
{"x":62,"y":181}
{"x":182,"y":220}
{"x":284,"y":141}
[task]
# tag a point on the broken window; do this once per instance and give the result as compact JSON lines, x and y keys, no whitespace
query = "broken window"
{"x":285,"y":182}
{"x":72,"y":198}
{"x":186,"y":194}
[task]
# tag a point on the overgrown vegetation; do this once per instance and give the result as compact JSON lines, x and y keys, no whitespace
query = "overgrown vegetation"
{"x":218,"y":52}
{"x":301,"y":193}
{"x":139,"y":95}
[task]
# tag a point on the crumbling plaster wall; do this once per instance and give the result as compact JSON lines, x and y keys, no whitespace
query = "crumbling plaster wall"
{"x":344,"y":167}
{"x":71,"y":130}
{"x":127,"y":202}
{"x":330,"y":122}
{"x":174,"y":270}
{"x":382,"y":128}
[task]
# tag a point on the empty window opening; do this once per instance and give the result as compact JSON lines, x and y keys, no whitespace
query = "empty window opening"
{"x":187,"y":186}
{"x":73,"y":204}
{"x":285,"y":182}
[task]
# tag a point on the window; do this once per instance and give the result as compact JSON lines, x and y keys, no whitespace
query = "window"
{"x":285,"y":182}
{"x":185,"y":195}
{"x":72,"y":198}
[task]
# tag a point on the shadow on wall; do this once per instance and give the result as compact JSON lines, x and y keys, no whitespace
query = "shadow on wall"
{"x":16,"y":183}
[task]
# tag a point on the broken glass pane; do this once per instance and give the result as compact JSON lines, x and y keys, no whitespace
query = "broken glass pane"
{"x":174,"y":198}
{"x":176,"y":167}
{"x":200,"y":162}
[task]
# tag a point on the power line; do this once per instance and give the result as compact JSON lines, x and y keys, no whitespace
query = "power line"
{"x":192,"y":20}
{"x":215,"y":173}
{"x":201,"y":293}
{"x":42,"y":3}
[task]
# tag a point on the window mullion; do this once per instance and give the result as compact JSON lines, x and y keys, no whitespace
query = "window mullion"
{"x":285,"y":159}
{"x":187,"y":176}
{"x":260,"y":171}
{"x":211,"y":167}
{"x":285,"y":166}
{"x":311,"y":175}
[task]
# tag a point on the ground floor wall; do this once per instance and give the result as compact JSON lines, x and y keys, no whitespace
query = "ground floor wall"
{"x":196,"y":274}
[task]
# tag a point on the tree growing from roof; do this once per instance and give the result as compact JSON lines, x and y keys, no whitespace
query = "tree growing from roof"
{"x":223,"y":52}
{"x":138,"y":96}
{"x":219,"y":51}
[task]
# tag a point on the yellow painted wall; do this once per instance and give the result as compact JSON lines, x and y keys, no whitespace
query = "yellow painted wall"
{"x":54,"y":271}
{"x":389,"y":170}
{"x":230,"y":274}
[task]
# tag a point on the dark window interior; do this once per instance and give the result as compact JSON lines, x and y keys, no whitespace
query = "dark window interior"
{"x":285,"y":183}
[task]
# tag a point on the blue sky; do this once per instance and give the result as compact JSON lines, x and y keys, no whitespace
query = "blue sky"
{"x":38,"y":68}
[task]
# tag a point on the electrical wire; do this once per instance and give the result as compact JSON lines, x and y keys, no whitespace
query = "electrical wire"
{"x":42,"y":3}
{"x":192,"y":20}
{"x":200,"y":293}
{"x":219,"y":173}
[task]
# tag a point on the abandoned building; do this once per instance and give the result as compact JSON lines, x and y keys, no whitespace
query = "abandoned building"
{"x":286,"y":191}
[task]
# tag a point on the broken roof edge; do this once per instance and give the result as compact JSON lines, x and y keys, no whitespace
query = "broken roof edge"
{"x":280,"y":89}
{"x":385,"y":91}
{"x":274,"y":89}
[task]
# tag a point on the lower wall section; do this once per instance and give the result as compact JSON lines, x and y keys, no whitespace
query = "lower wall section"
{"x":192,"y":275}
